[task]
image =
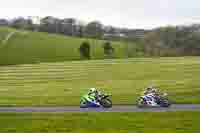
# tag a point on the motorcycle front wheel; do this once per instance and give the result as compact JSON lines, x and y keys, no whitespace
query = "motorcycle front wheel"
{"x":106,"y":103}
{"x":165,"y":103}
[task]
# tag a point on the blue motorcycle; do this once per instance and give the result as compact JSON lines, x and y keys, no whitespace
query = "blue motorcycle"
{"x":88,"y":101}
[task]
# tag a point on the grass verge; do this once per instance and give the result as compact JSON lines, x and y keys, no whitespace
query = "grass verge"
{"x":59,"y":84}
{"x":168,"y":122}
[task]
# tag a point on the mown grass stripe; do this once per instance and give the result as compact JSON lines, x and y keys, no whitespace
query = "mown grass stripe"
{"x":177,"y":76}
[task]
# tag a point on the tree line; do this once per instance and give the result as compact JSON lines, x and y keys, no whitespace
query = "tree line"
{"x":169,"y":41}
{"x":164,"y":41}
{"x":66,"y":26}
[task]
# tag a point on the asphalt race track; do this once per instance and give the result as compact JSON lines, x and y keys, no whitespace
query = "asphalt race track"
{"x":117,"y":108}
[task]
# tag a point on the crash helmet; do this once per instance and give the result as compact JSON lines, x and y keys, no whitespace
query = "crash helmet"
{"x":154,"y":90}
{"x":149,"y":88}
{"x":93,"y":90}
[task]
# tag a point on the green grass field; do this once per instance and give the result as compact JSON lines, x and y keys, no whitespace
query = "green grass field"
{"x":179,"y":122}
{"x":62,"y":83}
{"x":32,"y":47}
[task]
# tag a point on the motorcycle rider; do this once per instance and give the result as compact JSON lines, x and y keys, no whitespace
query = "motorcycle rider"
{"x":93,"y":92}
{"x":152,"y":91}
{"x":159,"y":97}
{"x":149,"y":90}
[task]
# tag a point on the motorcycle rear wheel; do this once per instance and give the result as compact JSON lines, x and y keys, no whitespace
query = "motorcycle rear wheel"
{"x":141,"y":103}
{"x":83,"y":104}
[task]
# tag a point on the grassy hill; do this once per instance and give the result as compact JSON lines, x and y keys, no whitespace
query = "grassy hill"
{"x":63,"y":83}
{"x":25,"y":47}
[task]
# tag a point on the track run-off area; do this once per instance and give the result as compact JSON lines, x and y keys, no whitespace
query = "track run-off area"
{"x":61,"y":84}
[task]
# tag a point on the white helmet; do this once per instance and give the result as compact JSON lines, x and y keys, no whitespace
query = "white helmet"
{"x":154,"y":90}
{"x":93,"y":90}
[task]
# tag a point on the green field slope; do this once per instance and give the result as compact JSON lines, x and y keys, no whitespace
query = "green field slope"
{"x":25,"y":47}
{"x":179,"y":122}
{"x":58,"y":84}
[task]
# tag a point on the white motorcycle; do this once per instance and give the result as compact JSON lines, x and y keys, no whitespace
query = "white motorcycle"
{"x":150,"y":100}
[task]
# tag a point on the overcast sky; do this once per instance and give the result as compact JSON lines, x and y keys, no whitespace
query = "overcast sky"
{"x":123,"y":13}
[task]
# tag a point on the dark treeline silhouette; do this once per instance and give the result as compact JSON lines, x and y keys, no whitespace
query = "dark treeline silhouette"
{"x":68,"y":26}
{"x":164,"y":41}
{"x":170,"y":41}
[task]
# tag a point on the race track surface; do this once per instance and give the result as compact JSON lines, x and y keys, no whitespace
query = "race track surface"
{"x":117,"y":108}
